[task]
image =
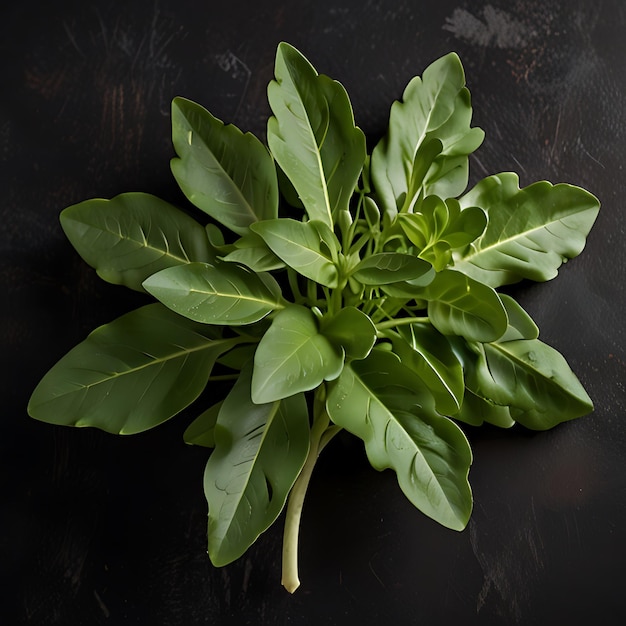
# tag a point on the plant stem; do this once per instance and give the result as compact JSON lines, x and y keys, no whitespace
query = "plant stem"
{"x":402,"y":321}
{"x":295,"y":289}
{"x":321,"y":434}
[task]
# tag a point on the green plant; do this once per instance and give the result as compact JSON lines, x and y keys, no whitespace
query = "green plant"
{"x":365,"y":300}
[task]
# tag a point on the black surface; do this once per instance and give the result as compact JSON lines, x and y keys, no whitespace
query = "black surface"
{"x":103,"y":530}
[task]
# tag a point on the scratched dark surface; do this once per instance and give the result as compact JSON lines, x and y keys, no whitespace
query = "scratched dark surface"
{"x":96,"y":529}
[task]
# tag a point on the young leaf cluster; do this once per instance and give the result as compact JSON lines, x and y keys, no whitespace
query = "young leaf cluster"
{"x":318,"y":288}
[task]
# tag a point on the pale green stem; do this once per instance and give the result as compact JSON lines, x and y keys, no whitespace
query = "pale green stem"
{"x":402,"y":321}
{"x":295,"y":289}
{"x":321,"y":434}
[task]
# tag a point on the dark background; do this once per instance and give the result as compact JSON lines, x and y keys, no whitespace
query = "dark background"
{"x":97,"y":529}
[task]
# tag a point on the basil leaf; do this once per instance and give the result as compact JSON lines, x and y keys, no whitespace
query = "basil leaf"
{"x":216,"y":241}
{"x":293,"y":356}
{"x":531,"y":231}
{"x":428,"y":353}
{"x":385,"y":268}
{"x":311,"y":248}
{"x":449,"y":173}
{"x":530,"y":377}
{"x":436,"y":106}
{"x":132,"y":236}
{"x":216,"y":294}
{"x":521,"y":325}
{"x":422,"y":162}
{"x":352,"y":330}
{"x":131,"y":374}
{"x":259,"y":452}
{"x":436,"y":227}
{"x":201,"y":432}
{"x":383,"y":403}
{"x":476,"y":410}
{"x":312,"y":135}
{"x":226,"y":173}
{"x":251,"y":251}
{"x":459,"y":305}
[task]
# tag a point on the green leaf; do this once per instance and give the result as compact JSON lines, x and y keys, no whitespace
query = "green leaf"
{"x":436,"y":227}
{"x":521,"y":325}
{"x":293,"y":356}
{"x":531,"y":231}
{"x":312,"y":135}
{"x":218,"y":246}
{"x":132,"y":236}
{"x":352,"y":330}
{"x":426,"y":153}
{"x":449,"y":173}
{"x":201,"y":432}
{"x":464,"y":226}
{"x":131,"y":374}
{"x":530,"y":377}
{"x":310,"y":248}
{"x":476,"y":410}
{"x":216,"y":294}
{"x":436,"y":106}
{"x":383,"y":403}
{"x":259,"y":452}
{"x":390,"y":267}
{"x":459,"y":305}
{"x":251,"y":251}
{"x":226,"y":173}
{"x":429,"y":354}
{"x":288,"y":191}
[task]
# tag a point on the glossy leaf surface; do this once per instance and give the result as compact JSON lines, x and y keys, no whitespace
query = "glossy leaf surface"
{"x":223,"y":294}
{"x":476,"y":411}
{"x":436,"y":106}
{"x":251,"y":251}
{"x":459,"y":305}
{"x":390,"y":267}
{"x":383,"y":403}
{"x":293,"y":356}
{"x":520,"y":324}
{"x":226,"y":173}
{"x":351,"y":329}
{"x":259,"y":452}
{"x":437,"y":227}
{"x":132,"y":236}
{"x":530,"y":377}
{"x":312,"y":135}
{"x":201,"y":432}
{"x":311,"y":248}
{"x":131,"y":374}
{"x":429,"y":354}
{"x":531,"y":231}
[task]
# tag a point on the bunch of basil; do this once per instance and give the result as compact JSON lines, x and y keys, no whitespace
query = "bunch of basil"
{"x":331,"y":289}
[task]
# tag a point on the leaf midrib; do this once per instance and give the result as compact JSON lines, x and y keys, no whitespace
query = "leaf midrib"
{"x":372,"y":396}
{"x":141,"y":244}
{"x":187,"y":155}
{"x":300,"y":246}
{"x":317,"y":151}
{"x":428,"y":117}
{"x":294,"y":352}
{"x":233,"y":296}
{"x":156,"y":361}
{"x":503,"y":242}
{"x":253,"y":463}
{"x":501,"y":347}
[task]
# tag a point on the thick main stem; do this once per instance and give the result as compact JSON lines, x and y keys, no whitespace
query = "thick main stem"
{"x":321,"y":434}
